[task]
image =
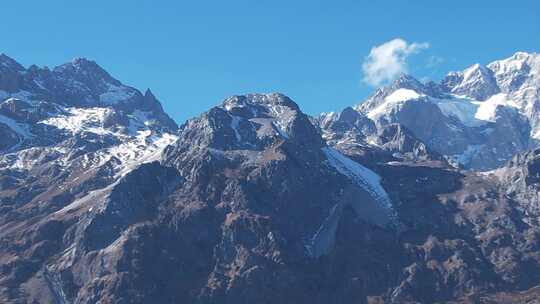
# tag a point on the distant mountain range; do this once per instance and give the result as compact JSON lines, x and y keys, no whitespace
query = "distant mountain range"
{"x":424,"y":193}
{"x":478,"y":119}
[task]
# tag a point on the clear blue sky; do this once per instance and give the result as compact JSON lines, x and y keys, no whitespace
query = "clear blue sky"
{"x":193,"y":54}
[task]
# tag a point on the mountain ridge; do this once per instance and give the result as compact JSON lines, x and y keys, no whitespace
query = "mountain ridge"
{"x":488,"y":110}
{"x":254,"y":201}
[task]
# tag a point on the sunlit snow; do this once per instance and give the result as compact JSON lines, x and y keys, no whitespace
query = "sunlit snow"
{"x":365,"y":178}
{"x":394,"y":100}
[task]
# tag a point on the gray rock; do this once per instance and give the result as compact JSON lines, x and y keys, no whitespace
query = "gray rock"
{"x":258,"y":203}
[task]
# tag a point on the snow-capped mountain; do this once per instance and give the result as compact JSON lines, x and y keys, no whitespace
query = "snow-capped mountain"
{"x":76,"y":110}
{"x":478,"y":118}
{"x":103,"y":199}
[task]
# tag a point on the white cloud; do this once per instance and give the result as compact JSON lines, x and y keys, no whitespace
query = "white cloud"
{"x":389,"y":60}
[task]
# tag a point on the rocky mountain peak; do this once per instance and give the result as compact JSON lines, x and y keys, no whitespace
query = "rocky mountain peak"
{"x":77,"y":104}
{"x":349,"y":115}
{"x":526,"y":57}
{"x":252,"y":122}
{"x":403,"y":82}
{"x":345,"y":121}
{"x":518,"y":61}
{"x":264,"y":100}
{"x":148,"y":94}
{"x":477,"y":82}
{"x":407,"y":81}
{"x":513,"y":73}
{"x":85,"y":65}
{"x":10,"y":74}
{"x":8,"y":63}
{"x":86,"y":72}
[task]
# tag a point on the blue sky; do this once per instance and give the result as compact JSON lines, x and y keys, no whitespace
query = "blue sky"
{"x":193,"y":54}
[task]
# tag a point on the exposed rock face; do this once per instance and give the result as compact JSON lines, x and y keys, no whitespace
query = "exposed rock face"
{"x":254,"y":202}
{"x":398,"y":140}
{"x":352,"y":131}
{"x":60,"y":143}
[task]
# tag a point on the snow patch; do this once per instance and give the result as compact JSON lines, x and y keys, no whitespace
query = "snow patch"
{"x":402,"y":95}
{"x":138,"y":144}
{"x":487,"y":109}
{"x":282,"y":118}
{"x":235,"y":122}
{"x":362,"y":176}
{"x":471,"y":112}
{"x":139,"y":120}
{"x":144,"y":148}
{"x":394,"y":100}
{"x":76,"y":120}
{"x":322,"y":240}
{"x":460,"y":107}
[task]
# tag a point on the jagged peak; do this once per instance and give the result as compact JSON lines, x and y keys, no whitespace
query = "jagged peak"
{"x":406,"y":78}
{"x":35,"y":69}
{"x":260,"y":99}
{"x":349,"y":114}
{"x":86,"y":67}
{"x":517,"y":61}
{"x":467,"y":72}
{"x":251,"y":119}
{"x":10,"y":63}
{"x":349,"y":110}
{"x":83,"y":61}
{"x":404,"y":81}
{"x":476,"y":81}
{"x":152,"y":102}
{"x":477,"y":72}
{"x":473,"y":67}
{"x":148,"y":94}
{"x":523,"y":55}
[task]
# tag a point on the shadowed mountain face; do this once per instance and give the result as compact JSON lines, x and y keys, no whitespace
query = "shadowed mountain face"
{"x":104,"y":200}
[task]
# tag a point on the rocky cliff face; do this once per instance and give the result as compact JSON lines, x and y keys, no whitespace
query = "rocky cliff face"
{"x":104,"y":200}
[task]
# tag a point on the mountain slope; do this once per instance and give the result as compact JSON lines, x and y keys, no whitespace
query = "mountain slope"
{"x":104,"y":200}
{"x":240,"y":178}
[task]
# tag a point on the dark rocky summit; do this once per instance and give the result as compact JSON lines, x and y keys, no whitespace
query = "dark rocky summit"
{"x":103,"y":199}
